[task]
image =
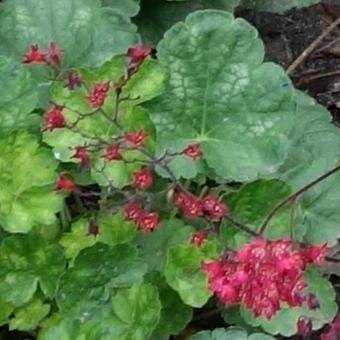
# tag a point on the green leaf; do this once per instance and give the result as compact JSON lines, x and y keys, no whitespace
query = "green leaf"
{"x":128,"y":7}
{"x":6,"y":309}
{"x":27,"y":172}
{"x":285,"y":321}
{"x":18,"y":97}
{"x":324,"y":292}
{"x":88,"y":33}
{"x":131,"y":314}
{"x":277,"y":6}
{"x":113,"y":230}
{"x":255,"y":200}
{"x":153,"y":248}
{"x":315,"y":151}
{"x":28,"y":317}
{"x":57,"y":329}
{"x":157,"y":16}
{"x":221,"y":95}
{"x":183,"y":274}
{"x":321,"y":215}
{"x":175,"y":315}
{"x":97,"y":271}
{"x":25,"y":262}
{"x":231,"y":333}
{"x":139,"y":309}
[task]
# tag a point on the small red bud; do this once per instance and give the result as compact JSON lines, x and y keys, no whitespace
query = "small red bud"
{"x":84,"y":157}
{"x":133,"y":212}
{"x":112,"y":153}
{"x":54,"y":118}
{"x":143,"y":179}
{"x":148,"y":222}
{"x":199,"y":237}
{"x":137,"y":139}
{"x":65,"y":183}
{"x":73,"y":80}
{"x":34,"y":55}
{"x":98,"y":94}
{"x":54,"y":53}
{"x":193,"y":151}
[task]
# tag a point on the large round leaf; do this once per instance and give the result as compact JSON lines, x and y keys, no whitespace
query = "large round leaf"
{"x":88,"y":33}
{"x":220,"y":94}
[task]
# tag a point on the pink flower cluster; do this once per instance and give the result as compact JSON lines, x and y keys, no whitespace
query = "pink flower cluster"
{"x":192,"y":207}
{"x":263,"y":274}
{"x":146,"y":221}
{"x":35,"y":56}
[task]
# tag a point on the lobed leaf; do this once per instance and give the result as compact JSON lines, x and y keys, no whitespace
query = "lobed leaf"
{"x":88,"y":33}
{"x":97,"y":272}
{"x":27,"y":172}
{"x":27,"y":261}
{"x":231,"y":333}
{"x":19,"y":98}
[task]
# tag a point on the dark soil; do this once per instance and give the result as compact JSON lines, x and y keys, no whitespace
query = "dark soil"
{"x":287,"y":36}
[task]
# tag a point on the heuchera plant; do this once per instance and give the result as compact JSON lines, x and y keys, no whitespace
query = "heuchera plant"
{"x":190,"y":175}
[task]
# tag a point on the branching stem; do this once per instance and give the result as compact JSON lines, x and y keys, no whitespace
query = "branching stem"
{"x":294,"y":196}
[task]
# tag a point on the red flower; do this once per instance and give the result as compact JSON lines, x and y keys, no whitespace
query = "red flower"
{"x":213,"y":208}
{"x":112,"y":153}
{"x":54,"y":119}
{"x":143,"y":179}
{"x":137,"y":55}
{"x":148,"y":222}
{"x":193,"y":151}
{"x":98,"y":94}
{"x":199,"y":237}
{"x":315,"y":254}
{"x":137,"y":139}
{"x":54,"y":54}
{"x":261,"y":275}
{"x":73,"y":80}
{"x":133,"y":212}
{"x":189,"y":205}
{"x":65,"y":183}
{"x":34,"y":55}
{"x":84,"y":157}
